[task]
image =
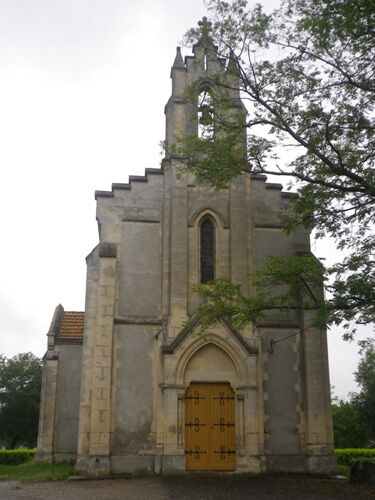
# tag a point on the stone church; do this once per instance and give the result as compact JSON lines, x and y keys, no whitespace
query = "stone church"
{"x":128,"y":386}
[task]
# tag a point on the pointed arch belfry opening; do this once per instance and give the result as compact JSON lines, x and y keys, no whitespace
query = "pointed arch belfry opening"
{"x":207,"y":250}
{"x":205,"y":115}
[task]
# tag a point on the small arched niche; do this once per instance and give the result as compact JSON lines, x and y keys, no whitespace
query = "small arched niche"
{"x":210,"y":363}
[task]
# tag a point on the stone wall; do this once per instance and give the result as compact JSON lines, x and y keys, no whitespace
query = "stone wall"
{"x":67,"y":401}
{"x":133,"y":391}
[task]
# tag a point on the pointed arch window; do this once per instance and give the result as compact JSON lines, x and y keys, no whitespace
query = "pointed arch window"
{"x":207,"y":250}
{"x":205,"y":115}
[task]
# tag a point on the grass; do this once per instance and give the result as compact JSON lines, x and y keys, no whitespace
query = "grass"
{"x":344,"y":470}
{"x":32,"y":471}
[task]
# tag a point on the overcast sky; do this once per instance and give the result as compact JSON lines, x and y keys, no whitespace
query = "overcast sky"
{"x":83,"y":84}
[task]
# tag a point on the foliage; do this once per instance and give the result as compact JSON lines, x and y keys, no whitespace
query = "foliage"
{"x":32,"y":471}
{"x":306,"y":73}
{"x":349,"y":430}
{"x":354,"y":420}
{"x":16,"y":457}
{"x":301,"y":274}
{"x":364,"y":401}
{"x":362,"y":470}
{"x":20,"y":384}
{"x":346,"y":456}
{"x":344,"y":470}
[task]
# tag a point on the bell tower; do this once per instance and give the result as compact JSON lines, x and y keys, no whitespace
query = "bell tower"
{"x":200,"y":84}
{"x":204,"y":71}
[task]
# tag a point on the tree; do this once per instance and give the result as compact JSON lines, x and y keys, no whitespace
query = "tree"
{"x":349,"y":430}
{"x":364,"y":401}
{"x":20,"y":384}
{"x":354,"y":420}
{"x":306,"y":74}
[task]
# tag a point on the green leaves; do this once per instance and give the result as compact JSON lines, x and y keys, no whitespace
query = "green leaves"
{"x":20,"y":383}
{"x":284,"y":284}
{"x":354,"y":420}
{"x":306,"y":75}
{"x":349,"y":431}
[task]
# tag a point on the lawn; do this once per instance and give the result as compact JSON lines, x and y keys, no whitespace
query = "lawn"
{"x":36,"y":472}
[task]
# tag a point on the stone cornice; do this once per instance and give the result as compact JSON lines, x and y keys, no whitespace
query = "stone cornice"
{"x":68,"y":341}
{"x":137,"y":321}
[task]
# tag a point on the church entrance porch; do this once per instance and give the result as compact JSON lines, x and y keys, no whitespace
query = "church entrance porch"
{"x":211,"y":405}
{"x":210,"y":427}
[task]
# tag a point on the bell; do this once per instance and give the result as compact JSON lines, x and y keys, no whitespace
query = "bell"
{"x":206,"y":115}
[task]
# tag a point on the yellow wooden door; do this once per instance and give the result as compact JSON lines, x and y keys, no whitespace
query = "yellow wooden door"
{"x":223,"y":435}
{"x":209,"y":427}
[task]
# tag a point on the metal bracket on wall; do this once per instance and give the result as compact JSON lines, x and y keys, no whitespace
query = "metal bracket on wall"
{"x":273,"y":342}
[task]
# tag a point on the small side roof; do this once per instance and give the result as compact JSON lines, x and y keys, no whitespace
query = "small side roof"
{"x":71,"y":325}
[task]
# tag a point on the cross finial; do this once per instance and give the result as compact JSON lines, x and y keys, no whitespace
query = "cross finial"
{"x":204,"y":23}
{"x":205,"y":32}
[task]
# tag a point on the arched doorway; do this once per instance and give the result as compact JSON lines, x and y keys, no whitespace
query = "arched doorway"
{"x":210,"y":427}
{"x":210,"y":411}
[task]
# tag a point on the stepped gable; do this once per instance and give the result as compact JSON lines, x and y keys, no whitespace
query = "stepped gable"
{"x":160,"y":171}
{"x":127,"y":186}
{"x":71,"y":325}
{"x":273,"y":185}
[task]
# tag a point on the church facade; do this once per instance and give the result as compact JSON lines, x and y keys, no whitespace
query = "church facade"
{"x":128,"y":386}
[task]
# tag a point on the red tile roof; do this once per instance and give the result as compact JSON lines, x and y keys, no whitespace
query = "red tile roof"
{"x":71,"y":325}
